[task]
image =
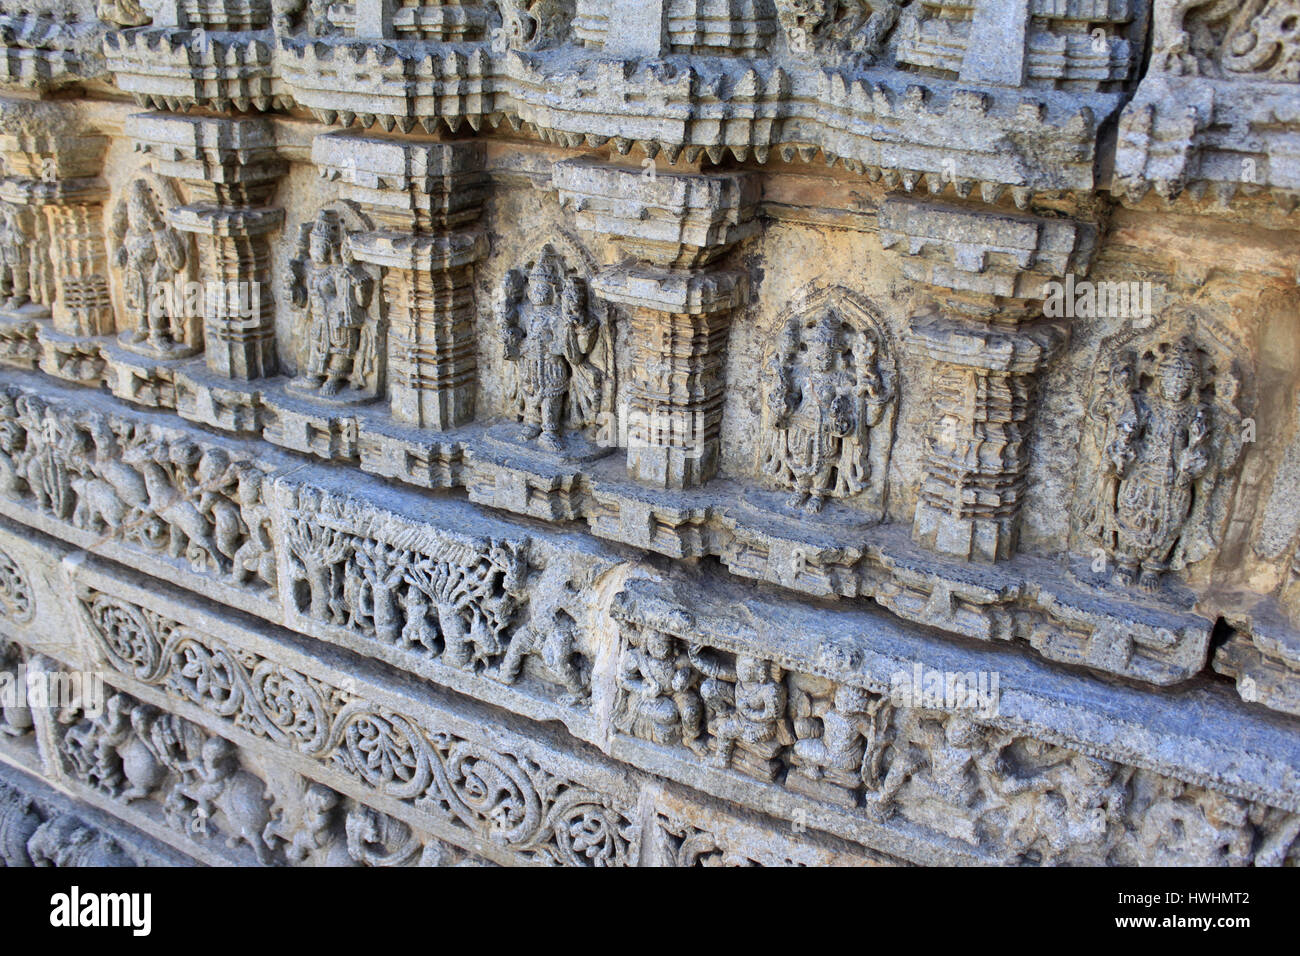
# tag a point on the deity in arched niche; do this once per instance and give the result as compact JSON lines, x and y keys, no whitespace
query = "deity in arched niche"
{"x":831,"y":391}
{"x":551,"y":335}
{"x":150,"y":254}
{"x":1167,"y":451}
{"x":335,"y":293}
{"x":1163,"y":423}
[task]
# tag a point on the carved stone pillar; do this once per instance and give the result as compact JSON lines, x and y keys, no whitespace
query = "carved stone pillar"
{"x":82,"y":310}
{"x":983,"y":395}
{"x":673,"y":413}
{"x":422,"y":199}
{"x":675,"y":225}
{"x":54,"y":200}
{"x":230,"y":169}
{"x":987,"y":349}
{"x":432,"y":356}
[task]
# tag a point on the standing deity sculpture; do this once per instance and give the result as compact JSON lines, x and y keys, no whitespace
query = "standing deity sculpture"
{"x":1114,"y":418}
{"x":15,"y":273}
{"x":554,"y":339}
{"x":1164,"y":429}
{"x":832,"y":390}
{"x":150,"y":254}
{"x":335,"y":293}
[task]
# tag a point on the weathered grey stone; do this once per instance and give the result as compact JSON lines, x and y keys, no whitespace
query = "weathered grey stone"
{"x":421,"y":395}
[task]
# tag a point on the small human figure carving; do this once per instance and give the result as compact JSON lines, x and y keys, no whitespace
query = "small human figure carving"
{"x":15,"y":277}
{"x":1114,"y":419}
{"x":747,"y":708}
{"x":551,"y":335}
{"x":150,"y":254}
{"x":848,"y":728}
{"x":335,"y":293}
{"x":556,"y":648}
{"x":663,"y":704}
{"x":220,"y":785}
{"x":829,"y":394}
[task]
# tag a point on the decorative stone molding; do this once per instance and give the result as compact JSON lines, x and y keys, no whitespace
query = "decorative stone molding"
{"x":1216,"y":109}
{"x":596,"y":411}
{"x":49,"y":50}
{"x":675,"y":227}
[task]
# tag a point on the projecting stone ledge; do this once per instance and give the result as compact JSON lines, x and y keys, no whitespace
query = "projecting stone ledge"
{"x":510,"y":626}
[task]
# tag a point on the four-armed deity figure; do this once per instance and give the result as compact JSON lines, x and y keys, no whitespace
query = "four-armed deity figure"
{"x":822,"y":410}
{"x":551,"y":335}
{"x":1160,"y":449}
{"x":335,"y":293}
{"x":150,"y":254}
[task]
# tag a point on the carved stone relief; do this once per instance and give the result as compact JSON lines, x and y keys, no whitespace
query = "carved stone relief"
{"x":342,"y":321}
{"x":829,"y":422}
{"x":151,"y":255}
{"x":509,"y":308}
{"x":558,"y":341}
{"x":1166,"y":434}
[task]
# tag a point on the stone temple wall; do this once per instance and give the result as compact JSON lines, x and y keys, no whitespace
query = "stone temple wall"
{"x":650,"y":432}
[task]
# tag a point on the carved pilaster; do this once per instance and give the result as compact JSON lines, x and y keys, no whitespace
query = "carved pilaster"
{"x":229,"y":168}
{"x":423,"y":198}
{"x":235,"y":253}
{"x":673,"y":412}
{"x":987,"y":349}
{"x":58,"y":262}
{"x":675,"y":225}
{"x":983,"y":396}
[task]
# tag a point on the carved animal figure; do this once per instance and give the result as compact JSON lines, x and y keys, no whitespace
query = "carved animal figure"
{"x":66,"y":841}
{"x":189,"y":532}
{"x":19,"y":821}
{"x":237,"y":794}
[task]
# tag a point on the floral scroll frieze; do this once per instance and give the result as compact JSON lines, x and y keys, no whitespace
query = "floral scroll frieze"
{"x":509,"y":801}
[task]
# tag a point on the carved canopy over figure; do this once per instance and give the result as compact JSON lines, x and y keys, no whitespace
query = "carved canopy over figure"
{"x":335,"y":293}
{"x":1223,"y":37}
{"x":150,"y":254}
{"x":554,"y":338}
{"x":832,"y":389}
{"x":124,"y":13}
{"x":858,"y":28}
{"x":1165,"y":429}
{"x":15,"y":272}
{"x":533,"y":24}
